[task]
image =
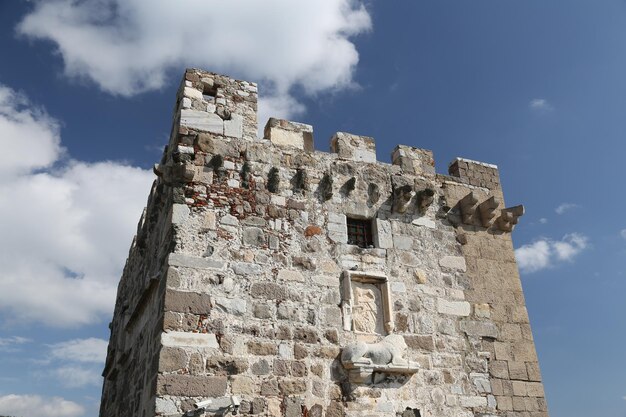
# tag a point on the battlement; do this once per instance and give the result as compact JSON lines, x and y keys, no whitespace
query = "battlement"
{"x":214,"y":105}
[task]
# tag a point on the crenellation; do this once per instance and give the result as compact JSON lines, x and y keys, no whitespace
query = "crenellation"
{"x":313,"y":283}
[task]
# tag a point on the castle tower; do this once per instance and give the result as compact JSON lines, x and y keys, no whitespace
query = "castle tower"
{"x":292,"y":282}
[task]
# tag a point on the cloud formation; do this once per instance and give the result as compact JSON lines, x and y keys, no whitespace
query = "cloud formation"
{"x":562,"y":208}
{"x":121,"y":45}
{"x":540,"y":105}
{"x":545,"y":253}
{"x":69,"y":223}
{"x":81,"y":350}
{"x":623,"y":233}
{"x":37,"y":406}
{"x":9,"y":344}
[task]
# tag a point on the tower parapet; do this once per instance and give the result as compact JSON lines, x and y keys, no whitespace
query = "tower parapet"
{"x":308,"y":283}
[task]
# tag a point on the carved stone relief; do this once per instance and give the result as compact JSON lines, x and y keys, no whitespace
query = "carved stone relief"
{"x":365,"y":303}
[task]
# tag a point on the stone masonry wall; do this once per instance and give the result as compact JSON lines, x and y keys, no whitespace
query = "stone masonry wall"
{"x":236,"y":282}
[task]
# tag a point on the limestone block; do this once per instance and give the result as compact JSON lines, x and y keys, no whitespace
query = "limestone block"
{"x":172,"y":359}
{"x":186,"y":261}
{"x":383,"y":237}
{"x":479,"y":328}
{"x":454,"y":308}
{"x":289,"y":275}
{"x":200,"y":120}
{"x":185,"y":339}
{"x":165,"y":406}
{"x":353,"y":147}
{"x":253,"y":236}
{"x":268,"y":291}
{"x":192,"y":386}
{"x":245,"y":268}
{"x":287,"y":133}
{"x":187,"y":302}
{"x":453,"y":262}
{"x":192,"y":93}
{"x":234,"y":126}
{"x":180,"y":214}
{"x":235,"y":306}
{"x":472,"y":401}
{"x":413,"y":161}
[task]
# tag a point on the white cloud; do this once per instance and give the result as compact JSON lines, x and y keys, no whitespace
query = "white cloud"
{"x":122,"y":46}
{"x":80,"y":350}
{"x":540,"y":105}
{"x":534,"y":256}
{"x":562,"y":208}
{"x":67,"y":227}
{"x":545,"y":253}
{"x":623,"y":233}
{"x":9,"y":344}
{"x":37,"y":406}
{"x":543,"y":220}
{"x":78,"y":377}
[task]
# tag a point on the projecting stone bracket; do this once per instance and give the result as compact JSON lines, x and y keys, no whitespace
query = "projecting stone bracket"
{"x":372,"y":363}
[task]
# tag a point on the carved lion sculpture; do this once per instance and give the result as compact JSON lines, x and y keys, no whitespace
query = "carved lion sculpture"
{"x":388,"y":351}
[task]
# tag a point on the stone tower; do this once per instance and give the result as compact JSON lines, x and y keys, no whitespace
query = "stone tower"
{"x":306,"y":283}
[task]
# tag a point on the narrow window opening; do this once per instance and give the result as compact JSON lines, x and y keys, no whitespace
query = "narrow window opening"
{"x":360,"y":233}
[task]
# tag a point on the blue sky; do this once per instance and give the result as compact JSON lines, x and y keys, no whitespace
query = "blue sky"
{"x":86,"y":92}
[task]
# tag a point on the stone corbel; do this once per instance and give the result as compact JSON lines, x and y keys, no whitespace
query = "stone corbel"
{"x":468,"y":207}
{"x":487,"y":210}
{"x":509,"y":217}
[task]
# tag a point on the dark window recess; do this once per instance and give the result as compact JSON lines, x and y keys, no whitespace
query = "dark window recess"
{"x":360,"y":233}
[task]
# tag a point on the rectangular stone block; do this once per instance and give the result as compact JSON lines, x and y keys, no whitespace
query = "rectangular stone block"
{"x":472,"y":401}
{"x":382,"y":234}
{"x":186,"y":339}
{"x":454,"y":308}
{"x":413,"y":161}
{"x":287,"y":133}
{"x":187,"y":302}
{"x":479,"y":328}
{"x":353,"y":147}
{"x":517,"y":370}
{"x":192,"y":386}
{"x":453,"y":262}
{"x":201,"y":120}
{"x":187,"y":261}
{"x":234,"y":126}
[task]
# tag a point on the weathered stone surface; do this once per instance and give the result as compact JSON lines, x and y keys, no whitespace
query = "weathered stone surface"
{"x":268,"y":290}
{"x":172,"y":359}
{"x":244,"y":268}
{"x":179,"y":259}
{"x":203,"y":121}
{"x":479,"y":328}
{"x":287,"y":275}
{"x":256,"y":291}
{"x":185,"y":339}
{"x":353,"y":147}
{"x":453,"y":262}
{"x":192,"y":386}
{"x":419,"y":342}
{"x":187,"y":302}
{"x":235,"y":306}
{"x":262,"y":348}
{"x":455,"y":308}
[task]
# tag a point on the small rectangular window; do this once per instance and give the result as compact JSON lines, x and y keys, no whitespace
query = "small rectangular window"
{"x":360,"y":233}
